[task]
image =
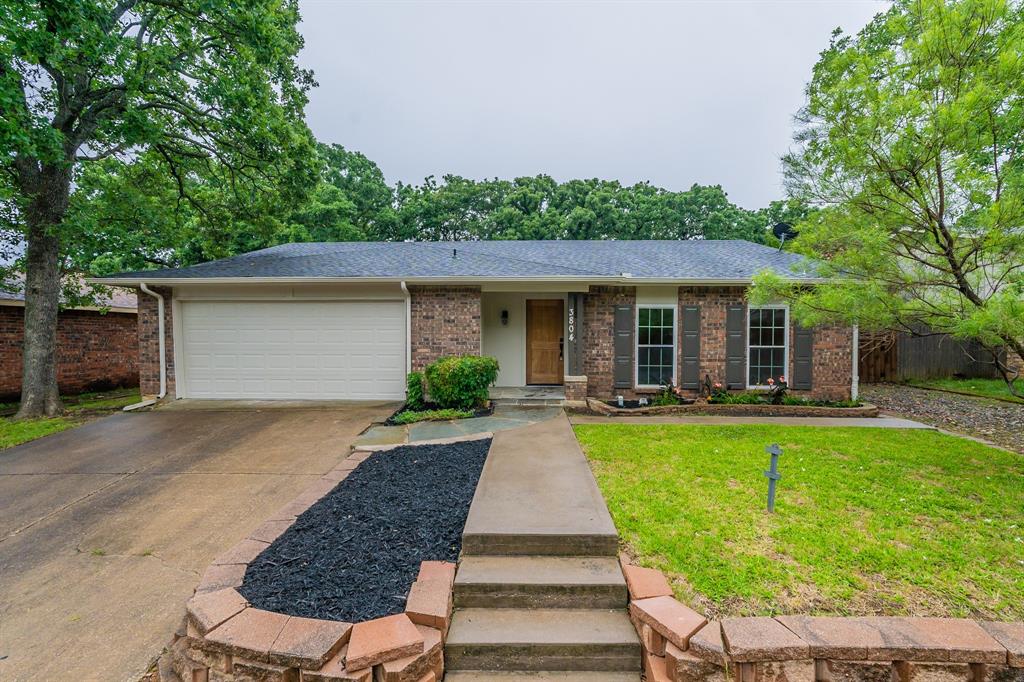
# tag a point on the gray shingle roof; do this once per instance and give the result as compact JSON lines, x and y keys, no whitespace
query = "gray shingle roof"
{"x":710,"y":260}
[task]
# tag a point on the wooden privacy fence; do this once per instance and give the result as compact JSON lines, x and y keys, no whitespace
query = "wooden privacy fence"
{"x":900,"y":357}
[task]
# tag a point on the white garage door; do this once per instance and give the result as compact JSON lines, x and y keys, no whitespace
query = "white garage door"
{"x":312,"y":350}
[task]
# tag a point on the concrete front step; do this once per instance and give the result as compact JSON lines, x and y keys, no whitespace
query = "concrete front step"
{"x":542,"y":640}
{"x":542,"y":544}
{"x":540,"y":676}
{"x":540,"y":582}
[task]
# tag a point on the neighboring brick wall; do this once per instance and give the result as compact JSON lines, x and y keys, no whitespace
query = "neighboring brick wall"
{"x":149,"y":342}
{"x":95,"y":351}
{"x":713,"y":302}
{"x":445,"y":321}
{"x":598,"y":338}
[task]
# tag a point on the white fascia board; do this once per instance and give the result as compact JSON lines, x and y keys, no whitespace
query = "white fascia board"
{"x":619,"y":281}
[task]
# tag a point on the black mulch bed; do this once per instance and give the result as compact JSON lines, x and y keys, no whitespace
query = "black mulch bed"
{"x":354,"y":554}
{"x":481,"y":412}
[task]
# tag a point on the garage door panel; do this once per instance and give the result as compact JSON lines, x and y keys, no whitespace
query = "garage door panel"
{"x":294,"y":350}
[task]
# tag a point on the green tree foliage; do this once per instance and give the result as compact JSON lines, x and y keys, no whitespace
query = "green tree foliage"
{"x":131,"y":215}
{"x":207,"y":88}
{"x":541,"y":208}
{"x":912,"y":141}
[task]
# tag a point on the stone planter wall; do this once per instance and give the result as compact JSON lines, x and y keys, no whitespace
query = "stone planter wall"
{"x":224,"y":638}
{"x":866,"y":410}
{"x":680,"y":645}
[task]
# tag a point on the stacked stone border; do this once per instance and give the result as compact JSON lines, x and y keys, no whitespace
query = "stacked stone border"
{"x":866,"y":410}
{"x":224,"y":638}
{"x":680,"y":645}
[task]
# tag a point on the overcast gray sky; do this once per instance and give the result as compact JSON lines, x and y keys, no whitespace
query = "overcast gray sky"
{"x":671,"y":92}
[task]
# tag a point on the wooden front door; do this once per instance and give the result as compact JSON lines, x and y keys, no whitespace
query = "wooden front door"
{"x":544,"y":324}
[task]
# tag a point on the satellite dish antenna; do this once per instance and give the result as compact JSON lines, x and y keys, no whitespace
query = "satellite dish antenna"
{"x":783,"y":232}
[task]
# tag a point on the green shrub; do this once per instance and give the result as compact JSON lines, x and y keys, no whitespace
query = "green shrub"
{"x":413,"y":416}
{"x":461,"y":382}
{"x":414,"y":391}
{"x":737,"y":399}
{"x":668,"y":395}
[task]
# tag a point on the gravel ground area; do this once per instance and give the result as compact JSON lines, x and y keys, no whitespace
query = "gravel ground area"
{"x":995,"y":421}
{"x":354,"y":554}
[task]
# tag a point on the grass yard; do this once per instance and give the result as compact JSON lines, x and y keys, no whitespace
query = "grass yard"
{"x":868,"y":521}
{"x":80,"y":409}
{"x":986,"y":388}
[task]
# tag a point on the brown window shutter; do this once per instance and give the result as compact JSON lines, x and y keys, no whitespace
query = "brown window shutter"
{"x":623,"y":349}
{"x":803,"y":358}
{"x":736,"y":347}
{"x":690,"y":348}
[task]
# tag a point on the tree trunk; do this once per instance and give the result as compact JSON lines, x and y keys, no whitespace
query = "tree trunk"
{"x":43,"y":215}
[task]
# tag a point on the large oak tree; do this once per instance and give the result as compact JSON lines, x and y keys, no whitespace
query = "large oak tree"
{"x":912,"y":140}
{"x":197,"y":87}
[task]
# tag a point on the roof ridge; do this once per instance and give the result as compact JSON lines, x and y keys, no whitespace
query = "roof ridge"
{"x":535,"y":262}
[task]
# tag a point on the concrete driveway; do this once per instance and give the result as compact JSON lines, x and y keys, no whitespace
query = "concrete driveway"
{"x":106,"y":528}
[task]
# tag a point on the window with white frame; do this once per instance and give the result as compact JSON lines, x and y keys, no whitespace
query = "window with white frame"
{"x":655,"y":345}
{"x":767,"y":344}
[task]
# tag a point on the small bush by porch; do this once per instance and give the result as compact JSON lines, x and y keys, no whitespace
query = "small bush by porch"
{"x":869,"y":521}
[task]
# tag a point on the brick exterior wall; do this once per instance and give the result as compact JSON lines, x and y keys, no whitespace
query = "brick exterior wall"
{"x":832,"y":368}
{"x":598,"y":339}
{"x":1015,"y":362}
{"x":445,"y":321}
{"x":832,"y":365}
{"x":95,"y":351}
{"x":149,"y":342}
{"x":713,"y":302}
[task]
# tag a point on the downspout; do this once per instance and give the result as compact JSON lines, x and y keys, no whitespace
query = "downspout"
{"x":408,"y":327}
{"x":163,"y":351}
{"x":855,"y":381}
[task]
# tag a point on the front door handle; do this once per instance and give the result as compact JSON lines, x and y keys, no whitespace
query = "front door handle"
{"x":561,"y":346}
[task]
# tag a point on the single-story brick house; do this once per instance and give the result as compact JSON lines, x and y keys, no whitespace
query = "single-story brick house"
{"x":601,"y":318}
{"x":97,"y":346}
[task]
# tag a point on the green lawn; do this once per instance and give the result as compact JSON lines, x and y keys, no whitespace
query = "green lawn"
{"x":988,"y":388}
{"x":80,"y":409}
{"x":868,"y":521}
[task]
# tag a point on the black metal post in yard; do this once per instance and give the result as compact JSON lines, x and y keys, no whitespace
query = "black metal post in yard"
{"x":772,"y":474}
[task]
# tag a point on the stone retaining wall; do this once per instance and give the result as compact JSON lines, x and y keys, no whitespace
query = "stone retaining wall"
{"x":225,"y":638}
{"x":680,"y":645}
{"x":702,"y":408}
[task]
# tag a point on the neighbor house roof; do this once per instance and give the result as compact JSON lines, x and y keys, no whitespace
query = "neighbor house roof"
{"x":12,"y":293}
{"x":607,"y":261}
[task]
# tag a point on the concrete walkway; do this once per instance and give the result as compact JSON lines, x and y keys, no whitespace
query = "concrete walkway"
{"x":708,"y":420}
{"x":536,"y":488}
{"x":539,"y":587}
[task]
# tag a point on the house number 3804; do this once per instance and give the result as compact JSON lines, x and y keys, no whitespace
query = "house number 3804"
{"x":572,"y":323}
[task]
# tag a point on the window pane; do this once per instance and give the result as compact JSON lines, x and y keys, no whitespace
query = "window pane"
{"x":643,"y":336}
{"x":645,"y":317}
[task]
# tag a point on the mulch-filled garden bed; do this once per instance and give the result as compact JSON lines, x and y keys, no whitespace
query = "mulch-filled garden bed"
{"x":479,"y":412}
{"x":595,"y":406}
{"x":353,"y":555}
{"x":637,"y":404}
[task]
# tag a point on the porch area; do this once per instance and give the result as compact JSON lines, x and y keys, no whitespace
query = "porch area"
{"x":534,"y":336}
{"x":546,"y":396}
